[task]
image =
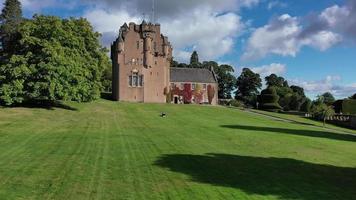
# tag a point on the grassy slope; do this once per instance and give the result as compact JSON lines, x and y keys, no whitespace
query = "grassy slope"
{"x":300,"y":119}
{"x":108,"y":150}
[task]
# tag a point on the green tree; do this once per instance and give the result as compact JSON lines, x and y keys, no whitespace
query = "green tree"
{"x":248,"y":84}
{"x":353,"y":96}
{"x":298,"y":90}
{"x":10,"y":20}
{"x":306,"y":106}
{"x":329,"y":99}
{"x":275,"y":81}
{"x":268,"y":100}
{"x":194,"y":60}
{"x":59,"y":59}
{"x":225,"y":76}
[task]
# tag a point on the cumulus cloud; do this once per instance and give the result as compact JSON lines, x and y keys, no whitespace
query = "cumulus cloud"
{"x":284,"y":36}
{"x":172,"y":8}
{"x":266,"y":70}
{"x":328,"y":84}
{"x":38,"y":5}
{"x":210,"y":34}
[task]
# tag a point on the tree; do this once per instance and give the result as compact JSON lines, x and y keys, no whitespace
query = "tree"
{"x":226,"y":79}
{"x":10,"y":20}
{"x":321,"y":111}
{"x":248,"y":84}
{"x":328,"y":98}
{"x":194,"y":60}
{"x":353,"y":96}
{"x":298,"y":90}
{"x":306,"y":106}
{"x":269,"y":100}
{"x":276,"y":81}
{"x":59,"y":59}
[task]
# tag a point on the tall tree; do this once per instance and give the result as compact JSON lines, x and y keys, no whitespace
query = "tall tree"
{"x":353,"y":96}
{"x":194,"y":60}
{"x":61,"y":59}
{"x":298,"y":90}
{"x":329,"y":99}
{"x":275,"y":81}
{"x":225,"y":76}
{"x":10,"y":20}
{"x":248,"y":84}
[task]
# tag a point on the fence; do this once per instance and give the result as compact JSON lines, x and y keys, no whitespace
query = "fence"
{"x":343,"y":120}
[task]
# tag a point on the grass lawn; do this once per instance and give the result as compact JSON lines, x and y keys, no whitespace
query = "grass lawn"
{"x":109,"y":150}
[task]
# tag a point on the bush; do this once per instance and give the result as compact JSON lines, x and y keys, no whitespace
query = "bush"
{"x":306,"y":106}
{"x":269,"y":100}
{"x":236,"y":103}
{"x":349,"y":107}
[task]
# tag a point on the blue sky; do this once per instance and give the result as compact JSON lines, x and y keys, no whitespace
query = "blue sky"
{"x":310,"y":43}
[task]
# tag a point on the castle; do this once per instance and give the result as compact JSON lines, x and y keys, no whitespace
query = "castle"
{"x":141,"y":58}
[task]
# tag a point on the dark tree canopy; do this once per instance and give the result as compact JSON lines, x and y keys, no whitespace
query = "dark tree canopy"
{"x":59,"y":59}
{"x":269,"y":100}
{"x":194,"y":60}
{"x":353,"y":96}
{"x":248,"y":84}
{"x":10,"y":20}
{"x":298,"y":90}
{"x":276,"y":81}
{"x":328,"y":98}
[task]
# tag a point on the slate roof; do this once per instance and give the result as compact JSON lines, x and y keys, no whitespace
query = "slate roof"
{"x":194,"y":75}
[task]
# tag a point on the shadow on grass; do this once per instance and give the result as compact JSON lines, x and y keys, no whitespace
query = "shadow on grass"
{"x":309,"y":133}
{"x":285,"y":178}
{"x":107,"y":96}
{"x":48,"y":105}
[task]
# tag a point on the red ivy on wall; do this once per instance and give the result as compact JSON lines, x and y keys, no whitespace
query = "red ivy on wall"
{"x":187,"y":93}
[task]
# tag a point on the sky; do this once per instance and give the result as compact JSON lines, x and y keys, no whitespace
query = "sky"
{"x":310,"y":43}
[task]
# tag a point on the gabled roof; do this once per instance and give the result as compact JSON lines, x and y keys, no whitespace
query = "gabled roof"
{"x":194,"y":75}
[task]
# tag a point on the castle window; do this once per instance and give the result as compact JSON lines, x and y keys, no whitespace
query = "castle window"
{"x":134,"y":80}
{"x":138,"y":44}
{"x":140,"y":82}
{"x":155,"y":46}
{"x":204,"y":86}
{"x":193,"y":86}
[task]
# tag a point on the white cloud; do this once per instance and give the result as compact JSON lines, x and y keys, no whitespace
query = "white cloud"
{"x":266,"y":70}
{"x":210,"y":34}
{"x":39,"y":5}
{"x":328,"y":84}
{"x":283,"y":36}
{"x":275,"y":4}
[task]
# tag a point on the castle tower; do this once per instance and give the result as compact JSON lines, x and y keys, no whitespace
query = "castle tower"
{"x":141,"y":59}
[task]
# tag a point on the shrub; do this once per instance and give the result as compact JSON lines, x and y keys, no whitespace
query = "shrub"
{"x":269,"y":100}
{"x":236,"y":103}
{"x":306,"y":106}
{"x":349,"y":107}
